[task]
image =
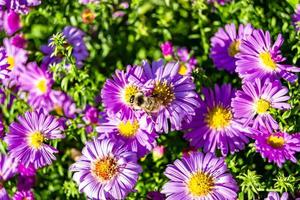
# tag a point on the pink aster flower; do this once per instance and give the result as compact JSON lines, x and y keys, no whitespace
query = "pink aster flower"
{"x":37,"y":82}
{"x":167,"y":48}
{"x":277,"y":147}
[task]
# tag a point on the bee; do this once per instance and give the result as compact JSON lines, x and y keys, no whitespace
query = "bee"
{"x":149,"y":104}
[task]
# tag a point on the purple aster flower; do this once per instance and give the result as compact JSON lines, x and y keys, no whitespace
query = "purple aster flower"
{"x":225,"y":44}
{"x":296,"y":18}
{"x":106,"y":170}
{"x":214,"y":126}
{"x":276,"y":196}
{"x":62,"y":104}
{"x":8,"y":168}
{"x":255,"y":100}
{"x":16,"y":58}
{"x":26,"y":138}
{"x":21,"y":195}
{"x":74,"y":37}
{"x":136,"y":132}
{"x":167,"y":48}
{"x":258,"y":58}
{"x":276,"y":147}
{"x":3,"y":65}
{"x":37,"y":82}
{"x":199,"y":176}
{"x":11,"y":22}
{"x":117,"y":92}
{"x":175,"y":96}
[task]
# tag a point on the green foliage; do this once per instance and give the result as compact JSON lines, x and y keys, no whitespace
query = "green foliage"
{"x":250,"y":184}
{"x":285,"y":184}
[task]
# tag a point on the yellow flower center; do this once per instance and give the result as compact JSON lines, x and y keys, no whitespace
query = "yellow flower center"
{"x":182,"y":70}
{"x":275,"y":141}
{"x":41,"y":85}
{"x":128,"y":92}
{"x":262,"y":106}
{"x":58,"y":109}
{"x":234,"y":48}
{"x":200,"y":184}
{"x":163,"y":92}
{"x":36,"y":139}
{"x":128,"y":129}
{"x":104,"y":169}
{"x":267,"y":60}
{"x":11,"y":62}
{"x":219,"y":117}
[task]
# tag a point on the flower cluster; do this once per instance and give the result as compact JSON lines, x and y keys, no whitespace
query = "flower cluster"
{"x":258,"y":63}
